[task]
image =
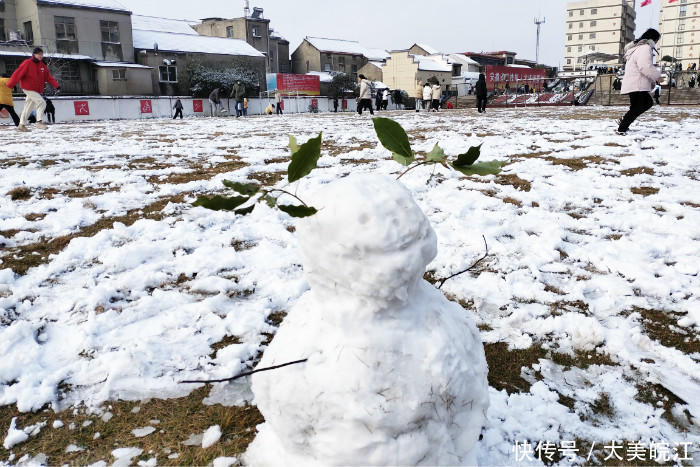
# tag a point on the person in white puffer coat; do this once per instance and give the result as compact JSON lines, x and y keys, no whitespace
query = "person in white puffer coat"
{"x":640,"y":77}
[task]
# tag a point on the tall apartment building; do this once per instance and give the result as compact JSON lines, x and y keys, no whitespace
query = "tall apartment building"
{"x":680,"y":31}
{"x":604,"y":26}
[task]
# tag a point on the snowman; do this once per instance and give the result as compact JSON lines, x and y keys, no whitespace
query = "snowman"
{"x":396,"y":373}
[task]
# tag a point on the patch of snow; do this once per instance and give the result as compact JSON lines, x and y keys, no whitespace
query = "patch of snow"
{"x":141,"y":432}
{"x":14,"y":436}
{"x":211,"y":436}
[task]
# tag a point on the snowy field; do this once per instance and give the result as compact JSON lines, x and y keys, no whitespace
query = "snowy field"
{"x":112,"y":286}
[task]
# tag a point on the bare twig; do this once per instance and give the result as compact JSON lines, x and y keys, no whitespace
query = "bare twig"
{"x":470,"y":267}
{"x":411,"y":168}
{"x":247,"y":373}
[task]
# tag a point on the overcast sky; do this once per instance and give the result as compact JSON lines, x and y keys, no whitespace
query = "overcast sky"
{"x":448,"y":26}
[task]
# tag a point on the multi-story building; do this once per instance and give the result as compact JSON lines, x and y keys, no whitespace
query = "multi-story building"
{"x":602,"y":27}
{"x":322,"y":54}
{"x":75,"y":35}
{"x":680,"y":31}
{"x":256,"y":31}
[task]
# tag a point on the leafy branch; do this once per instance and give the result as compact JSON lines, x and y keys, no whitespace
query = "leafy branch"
{"x":304,"y":160}
{"x":394,"y":138}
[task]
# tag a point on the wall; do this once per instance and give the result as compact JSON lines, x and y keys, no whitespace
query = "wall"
{"x":137,"y":83}
{"x":305,"y":52}
{"x":88,"y":32}
{"x":129,"y":108}
{"x":10,"y":16}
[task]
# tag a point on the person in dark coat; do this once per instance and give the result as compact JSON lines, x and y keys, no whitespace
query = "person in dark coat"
{"x":178,"y":108}
{"x":50,"y":111}
{"x":481,"y":93}
{"x":215,"y":102}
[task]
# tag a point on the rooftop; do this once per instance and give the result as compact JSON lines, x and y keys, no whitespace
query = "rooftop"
{"x":175,"y":42}
{"x":152,"y":23}
{"x":347,"y":47}
{"x":99,"y":4}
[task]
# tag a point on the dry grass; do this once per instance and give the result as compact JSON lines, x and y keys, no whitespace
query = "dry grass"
{"x":20,"y":193}
{"x":662,"y":326}
{"x":174,"y":419}
{"x":644,"y":190}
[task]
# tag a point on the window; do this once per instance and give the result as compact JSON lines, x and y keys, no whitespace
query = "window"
{"x":591,"y":35}
{"x":256,"y":31}
{"x":682,"y":11}
{"x":594,"y":11}
{"x":110,"y":31}
{"x":569,"y":37}
{"x":341,"y":62}
{"x":328,"y":56}
{"x":580,"y":37}
{"x":353,"y":69}
{"x":119,"y":74}
{"x":679,"y":39}
{"x":307,"y":66}
{"x":580,"y":48}
{"x":229,"y":31}
{"x":581,"y":12}
{"x":11,"y":64}
{"x":568,"y":49}
{"x":283,"y":68}
{"x":571,"y":13}
{"x":571,"y":25}
{"x":591,"y":47}
{"x":679,"y":52}
{"x":327,"y":67}
{"x":354,"y":57}
{"x":69,"y":71}
{"x":568,"y":61}
{"x":593,"y":23}
{"x":65,"y":28}
{"x":28,"y":32}
{"x":681,"y":25}
{"x":2,"y":28}
{"x":168,"y":74}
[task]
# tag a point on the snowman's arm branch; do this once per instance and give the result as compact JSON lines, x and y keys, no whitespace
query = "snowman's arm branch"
{"x":470,"y":267}
{"x":247,"y":373}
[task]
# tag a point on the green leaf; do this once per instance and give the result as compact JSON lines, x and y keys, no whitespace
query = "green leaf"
{"x":437,"y":155}
{"x":469,"y":157}
{"x":220,"y":203}
{"x":244,"y":211}
{"x":304,"y":160}
{"x":270,"y":200}
{"x":394,"y":138}
{"x":297,"y":211}
{"x":405,"y":161}
{"x":293,"y":146}
{"x":247,"y":189}
{"x":482,"y":168}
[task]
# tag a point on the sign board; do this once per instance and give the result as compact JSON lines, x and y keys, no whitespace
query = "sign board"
{"x":81,"y":107}
{"x":292,"y":85}
{"x":498,"y":76}
{"x":146,"y":107}
{"x":197,"y":105}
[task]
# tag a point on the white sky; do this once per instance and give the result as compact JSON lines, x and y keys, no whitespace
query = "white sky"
{"x":448,"y":26}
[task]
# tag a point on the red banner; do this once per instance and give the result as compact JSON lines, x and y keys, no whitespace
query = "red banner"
{"x":304,"y":85}
{"x":197,"y":105}
{"x":81,"y":107}
{"x":146,"y":107}
{"x":498,"y":76}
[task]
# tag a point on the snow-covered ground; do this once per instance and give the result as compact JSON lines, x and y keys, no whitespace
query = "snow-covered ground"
{"x":593,"y":242}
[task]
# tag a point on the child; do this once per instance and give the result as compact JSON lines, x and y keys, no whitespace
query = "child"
{"x":6,"y":101}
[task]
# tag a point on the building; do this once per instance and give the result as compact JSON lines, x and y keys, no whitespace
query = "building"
{"x":322,"y":54}
{"x":680,"y":32}
{"x":168,"y":46}
{"x":83,"y":41}
{"x":404,"y":70}
{"x":484,"y":58}
{"x":600,"y":26}
{"x":256,"y":31}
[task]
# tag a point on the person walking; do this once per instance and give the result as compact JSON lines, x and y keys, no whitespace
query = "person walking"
{"x":50,"y":111}
{"x":32,"y":76}
{"x":385,"y":99}
{"x":278,"y":101}
{"x":419,"y":95}
{"x":215,"y":102}
{"x":365,"y":95}
{"x":481,"y":93}
{"x":238,"y":93}
{"x":178,"y":108}
{"x":6,"y":101}
{"x":640,"y":76}
{"x":436,"y":95}
{"x":657,"y":93}
{"x":427,"y":96}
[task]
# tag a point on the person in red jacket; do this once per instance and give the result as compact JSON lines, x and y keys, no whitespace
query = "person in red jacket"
{"x":32,"y":75}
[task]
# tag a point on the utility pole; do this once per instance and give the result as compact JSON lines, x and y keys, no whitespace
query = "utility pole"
{"x":538,"y":22}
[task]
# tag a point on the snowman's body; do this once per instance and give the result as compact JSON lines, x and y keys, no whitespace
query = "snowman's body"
{"x":396,"y":373}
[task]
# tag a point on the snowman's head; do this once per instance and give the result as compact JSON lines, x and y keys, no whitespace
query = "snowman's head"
{"x":369,"y":238}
